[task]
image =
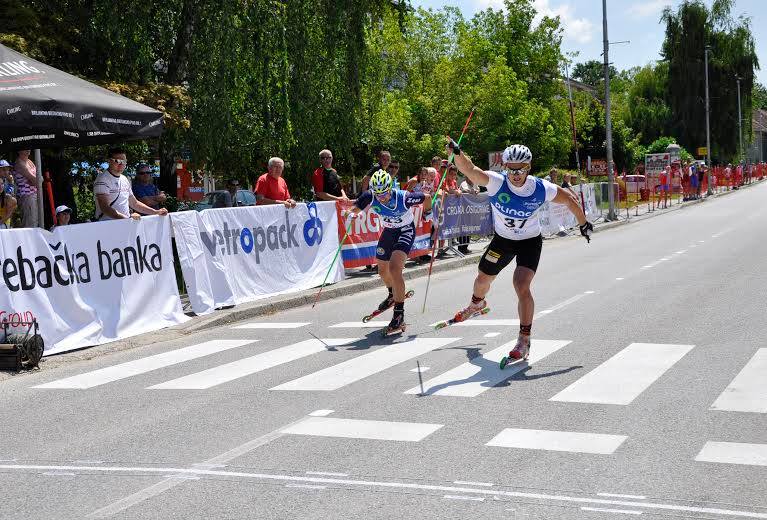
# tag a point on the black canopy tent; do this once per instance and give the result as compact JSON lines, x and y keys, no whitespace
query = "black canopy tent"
{"x":42,"y":107}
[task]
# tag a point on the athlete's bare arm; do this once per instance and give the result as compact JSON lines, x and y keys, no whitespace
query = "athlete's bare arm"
{"x":466,"y":167}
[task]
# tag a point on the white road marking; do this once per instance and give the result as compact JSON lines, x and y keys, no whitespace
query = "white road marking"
{"x":613,"y":495}
{"x":251,"y":365}
{"x":568,"y":301}
{"x":272,"y":325}
{"x":423,"y":369}
{"x":147,"y":364}
{"x":748,"y":391}
{"x":604,"y":510}
{"x":361,"y":484}
{"x":574,"y":442}
{"x":327,"y":473}
{"x":470,"y":483}
{"x":484,"y":372}
{"x":376,"y":324}
{"x":620,"y":379}
{"x":619,"y":279}
{"x":58,"y":474}
{"x":305,"y":486}
{"x":462,"y":497}
{"x":733,"y":453}
{"x":321,"y":413}
{"x":589,"y":292}
{"x":338,"y":376}
{"x":362,"y":429}
{"x":478,"y":322}
{"x":492,"y":334}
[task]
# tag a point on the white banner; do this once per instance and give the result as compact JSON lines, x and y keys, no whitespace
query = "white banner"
{"x":88,"y":284}
{"x":557,"y":217}
{"x":235,"y":255}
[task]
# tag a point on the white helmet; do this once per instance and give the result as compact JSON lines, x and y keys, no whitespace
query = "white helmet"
{"x":517,"y":153}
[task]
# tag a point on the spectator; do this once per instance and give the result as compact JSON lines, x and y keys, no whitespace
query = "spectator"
{"x":7,"y":200}
{"x":384,"y":158}
{"x":25,"y":175}
{"x":467,"y":186}
{"x":552,"y":176}
{"x":394,"y":172}
{"x":63,"y":216}
{"x":450,"y":186}
{"x":232,"y":185}
{"x":145,"y":190}
{"x":325,"y":180}
{"x":663,"y":187}
{"x":113,"y":193}
{"x":271,"y":188}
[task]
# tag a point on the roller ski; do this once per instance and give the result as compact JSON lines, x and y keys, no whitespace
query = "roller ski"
{"x":385,"y":305}
{"x":397,"y":325}
{"x":520,"y":352}
{"x":472,"y":311}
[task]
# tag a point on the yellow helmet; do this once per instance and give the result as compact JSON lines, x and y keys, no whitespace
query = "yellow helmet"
{"x":380,"y":182}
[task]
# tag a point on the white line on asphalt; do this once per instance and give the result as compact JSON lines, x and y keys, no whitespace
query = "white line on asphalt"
{"x":619,"y":279}
{"x":147,"y":364}
{"x":470,"y":483}
{"x":362,"y":429}
{"x":484,"y":372}
{"x":492,"y":334}
{"x":614,"y":495}
{"x":251,"y":365}
{"x":58,"y":474}
{"x":658,"y":506}
{"x":359,"y":325}
{"x":338,"y":376}
{"x":734,"y":453}
{"x":423,"y":369}
{"x":620,"y":379}
{"x":135,"y":498}
{"x":574,"y":442}
{"x":604,"y":510}
{"x":747,"y":392}
{"x":479,"y":322}
{"x":462,"y":497}
{"x":273,"y":325}
{"x":305,"y":486}
{"x":568,"y":302}
{"x":589,"y":292}
{"x":321,"y":413}
{"x":88,"y":461}
{"x":327,"y":473}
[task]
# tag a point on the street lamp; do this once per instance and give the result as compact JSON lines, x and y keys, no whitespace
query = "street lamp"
{"x":608,"y":120}
{"x":710,"y":190}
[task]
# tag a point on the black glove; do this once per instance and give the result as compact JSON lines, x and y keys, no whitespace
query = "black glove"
{"x":453,"y":147}
{"x":586,"y":229}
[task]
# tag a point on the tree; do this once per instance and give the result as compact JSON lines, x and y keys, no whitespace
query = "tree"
{"x":759,"y":96}
{"x":648,"y":113}
{"x":592,"y":73}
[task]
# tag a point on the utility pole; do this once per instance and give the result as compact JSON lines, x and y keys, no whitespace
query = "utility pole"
{"x":740,"y":123}
{"x":572,"y":121}
{"x":608,"y":120}
{"x":710,"y":190}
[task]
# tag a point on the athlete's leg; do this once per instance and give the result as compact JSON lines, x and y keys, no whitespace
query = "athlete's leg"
{"x":384,"y":271}
{"x":523,"y":276}
{"x":394,"y":268}
{"x":482,"y":284}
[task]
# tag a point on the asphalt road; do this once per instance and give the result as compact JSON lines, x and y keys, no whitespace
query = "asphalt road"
{"x":645,"y":394}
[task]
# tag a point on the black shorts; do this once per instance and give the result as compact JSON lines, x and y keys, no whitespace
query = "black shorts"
{"x":502,"y":251}
{"x":395,"y":239}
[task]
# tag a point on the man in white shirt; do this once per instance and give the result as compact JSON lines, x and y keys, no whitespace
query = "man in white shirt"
{"x":113,"y":192}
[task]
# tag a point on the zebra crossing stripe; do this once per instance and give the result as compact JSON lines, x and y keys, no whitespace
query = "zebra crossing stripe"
{"x":621,"y":379}
{"x":272,"y":325}
{"x":147,"y":364}
{"x":251,"y":365}
{"x":362,"y":429}
{"x":483,"y":372}
{"x":748,"y":391}
{"x":576,"y":442}
{"x":338,"y":376}
{"x":734,"y":453}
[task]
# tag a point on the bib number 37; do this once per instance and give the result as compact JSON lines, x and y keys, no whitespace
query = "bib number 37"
{"x":512,"y":223}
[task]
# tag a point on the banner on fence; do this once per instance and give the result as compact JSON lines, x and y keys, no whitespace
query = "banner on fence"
{"x":464,"y":215}
{"x":89,"y":284}
{"x":557,"y":217}
{"x":359,"y":248}
{"x":495,"y":161}
{"x":234,"y":255}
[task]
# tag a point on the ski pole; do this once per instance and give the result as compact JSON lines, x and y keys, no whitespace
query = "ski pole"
{"x":338,"y":251}
{"x":433,"y":199}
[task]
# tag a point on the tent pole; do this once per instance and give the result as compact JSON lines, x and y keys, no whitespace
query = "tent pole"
{"x":40,"y":199}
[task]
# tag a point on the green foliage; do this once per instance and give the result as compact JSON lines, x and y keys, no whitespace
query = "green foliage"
{"x":759,"y":96}
{"x":592,"y":73}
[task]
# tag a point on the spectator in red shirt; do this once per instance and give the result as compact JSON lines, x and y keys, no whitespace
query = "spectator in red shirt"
{"x":325,"y":180}
{"x":271,"y":188}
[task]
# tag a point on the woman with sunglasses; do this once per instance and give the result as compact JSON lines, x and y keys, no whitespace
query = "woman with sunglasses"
{"x":395,"y":209}
{"x":515,"y":198}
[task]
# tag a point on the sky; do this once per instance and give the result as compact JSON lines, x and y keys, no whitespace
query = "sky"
{"x":634,"y":20}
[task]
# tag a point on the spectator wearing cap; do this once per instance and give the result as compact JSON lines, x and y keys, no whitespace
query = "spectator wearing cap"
{"x":63,"y":216}
{"x":325,"y":180}
{"x":25,"y":175}
{"x":271,"y":188}
{"x":7,"y":200}
{"x":145,"y":190}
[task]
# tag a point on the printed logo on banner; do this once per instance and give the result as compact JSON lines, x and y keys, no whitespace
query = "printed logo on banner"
{"x":313,"y":226}
{"x":22,"y":273}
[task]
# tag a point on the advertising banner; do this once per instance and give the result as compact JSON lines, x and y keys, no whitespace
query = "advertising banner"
{"x":464,"y":215}
{"x":359,"y":248}
{"x":235,"y":255}
{"x":89,"y":284}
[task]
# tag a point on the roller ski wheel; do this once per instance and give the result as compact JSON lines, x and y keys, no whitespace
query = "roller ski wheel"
{"x":378,"y":312}
{"x":453,"y":320}
{"x":396,"y":325}
{"x":520,"y":352}
{"x":504,"y":362}
{"x":390,"y":331}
